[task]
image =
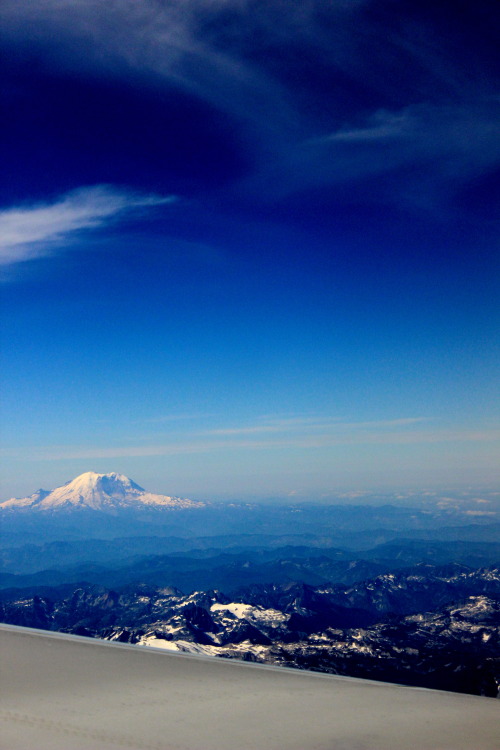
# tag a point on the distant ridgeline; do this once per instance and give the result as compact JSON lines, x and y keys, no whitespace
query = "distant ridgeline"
{"x":112,"y":505}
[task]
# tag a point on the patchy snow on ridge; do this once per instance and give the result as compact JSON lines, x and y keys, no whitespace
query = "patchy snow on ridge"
{"x":25,"y":502}
{"x":248,"y":612}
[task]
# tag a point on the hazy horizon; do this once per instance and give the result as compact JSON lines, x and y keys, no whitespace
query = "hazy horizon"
{"x":479,"y":499}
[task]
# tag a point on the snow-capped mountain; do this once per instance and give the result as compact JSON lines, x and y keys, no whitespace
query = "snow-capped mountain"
{"x":98,"y":492}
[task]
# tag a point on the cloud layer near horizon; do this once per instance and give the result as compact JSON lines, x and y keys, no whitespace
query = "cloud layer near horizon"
{"x":274,"y":435}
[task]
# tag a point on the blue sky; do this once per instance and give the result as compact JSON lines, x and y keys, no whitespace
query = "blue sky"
{"x":250,"y":248}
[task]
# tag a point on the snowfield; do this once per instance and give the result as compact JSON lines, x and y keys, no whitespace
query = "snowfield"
{"x":247,"y":612}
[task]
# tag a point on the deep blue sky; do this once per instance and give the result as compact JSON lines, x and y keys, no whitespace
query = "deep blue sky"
{"x":250,"y":248}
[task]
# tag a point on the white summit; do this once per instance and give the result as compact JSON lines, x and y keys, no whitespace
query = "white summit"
{"x":97,"y":492}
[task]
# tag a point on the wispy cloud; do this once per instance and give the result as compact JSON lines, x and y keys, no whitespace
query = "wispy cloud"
{"x":314,"y":424}
{"x":175,"y":42}
{"x":431,"y":150}
{"x":34,"y":231}
{"x":430,"y":109}
{"x":303,"y":442}
{"x":381,"y":125}
{"x":173,"y":418}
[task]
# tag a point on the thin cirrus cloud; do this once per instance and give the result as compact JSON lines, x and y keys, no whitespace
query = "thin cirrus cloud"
{"x":372,"y":437}
{"x":437,"y":114}
{"x":438,"y":147}
{"x":35,"y":231}
{"x":311,"y":424}
{"x":165,"y":40}
{"x":381,"y":125}
{"x":173,"y":418}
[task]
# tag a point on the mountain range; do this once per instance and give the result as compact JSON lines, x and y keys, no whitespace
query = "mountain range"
{"x":404,"y":593}
{"x":431,"y":626}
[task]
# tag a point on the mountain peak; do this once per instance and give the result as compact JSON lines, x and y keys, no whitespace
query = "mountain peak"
{"x":110,"y":483}
{"x":98,"y":492}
